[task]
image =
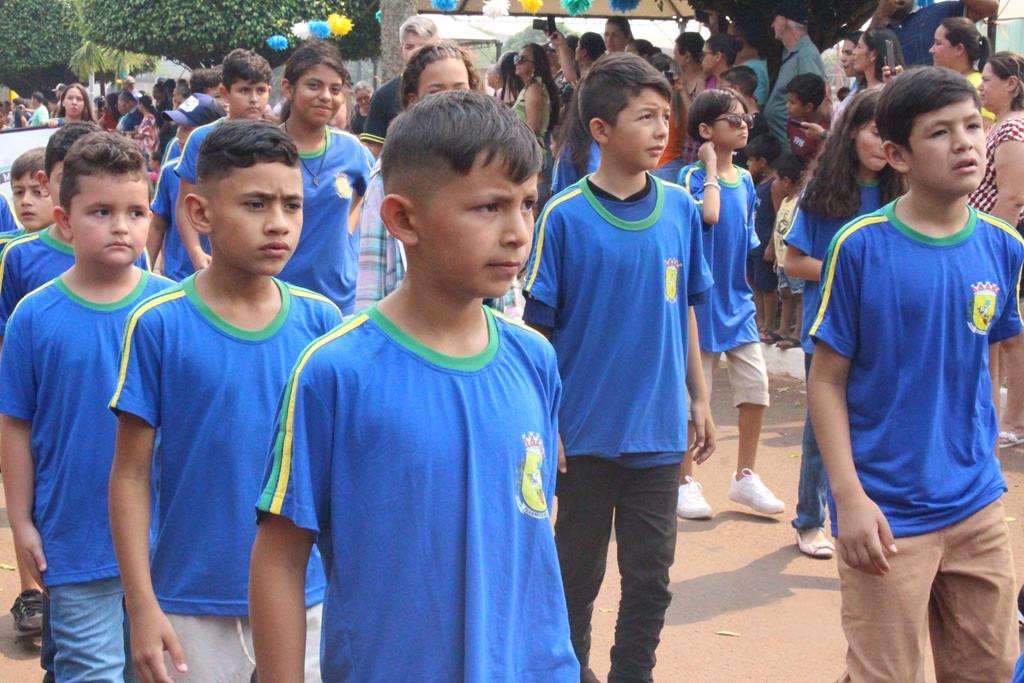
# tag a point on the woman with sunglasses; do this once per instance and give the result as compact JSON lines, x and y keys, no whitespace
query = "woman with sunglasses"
{"x":537,"y":103}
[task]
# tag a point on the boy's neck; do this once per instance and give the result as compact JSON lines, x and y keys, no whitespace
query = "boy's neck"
{"x":54,"y":232}
{"x":244,"y":299}
{"x":617,"y":180}
{"x":932,"y":213}
{"x":451,"y":325}
{"x":101,"y":284}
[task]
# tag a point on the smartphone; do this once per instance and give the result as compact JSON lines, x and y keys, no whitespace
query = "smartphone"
{"x":890,"y":54}
{"x":551,"y":24}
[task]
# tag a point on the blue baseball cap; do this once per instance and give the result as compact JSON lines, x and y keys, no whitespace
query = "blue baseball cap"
{"x":197,"y":110}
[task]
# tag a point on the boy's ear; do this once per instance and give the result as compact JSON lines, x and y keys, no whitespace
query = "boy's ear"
{"x":897,"y":156}
{"x":222,"y":91}
{"x":399,"y":216}
{"x":600,"y":130}
{"x":808,"y":108}
{"x":62,"y":219}
{"x":197,"y":208}
{"x":43,"y":180}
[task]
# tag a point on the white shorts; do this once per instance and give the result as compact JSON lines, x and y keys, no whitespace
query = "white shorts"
{"x":748,"y":374}
{"x":219,"y":649}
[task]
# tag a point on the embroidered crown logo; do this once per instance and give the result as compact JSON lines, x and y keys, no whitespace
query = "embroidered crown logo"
{"x":672,"y":267}
{"x":983,"y":306}
{"x":530,"y":478}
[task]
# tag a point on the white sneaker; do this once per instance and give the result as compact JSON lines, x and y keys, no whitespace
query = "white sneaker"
{"x":749,"y":490}
{"x":691,"y":503}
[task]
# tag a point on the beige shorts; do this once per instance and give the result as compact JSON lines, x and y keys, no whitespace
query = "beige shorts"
{"x":220,"y":648}
{"x":748,"y":375}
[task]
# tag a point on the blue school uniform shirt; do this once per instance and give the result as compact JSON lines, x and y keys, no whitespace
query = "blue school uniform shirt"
{"x":185,"y":166}
{"x":614,"y":280}
{"x":433,"y":523}
{"x":326,"y":258}
{"x":211,"y":390}
{"x":727,"y":317}
{"x":32,"y":260}
{"x":172,"y":151}
{"x":916,"y":315}
{"x":177,"y":264}
{"x":812,"y":234}
{"x":8,"y":222}
{"x":564,"y":173}
{"x":54,"y":341}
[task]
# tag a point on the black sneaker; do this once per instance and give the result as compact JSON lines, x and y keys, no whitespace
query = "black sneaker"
{"x":28,"y":614}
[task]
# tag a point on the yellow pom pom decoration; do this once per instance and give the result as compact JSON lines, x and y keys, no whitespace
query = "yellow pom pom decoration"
{"x":532,"y":6}
{"x":340,"y":26}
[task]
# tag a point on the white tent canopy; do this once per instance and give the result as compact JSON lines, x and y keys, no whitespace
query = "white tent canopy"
{"x":1010,"y":9}
{"x":647,"y":9}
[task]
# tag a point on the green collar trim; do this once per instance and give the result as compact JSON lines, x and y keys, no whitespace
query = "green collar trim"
{"x":189,"y":285}
{"x":320,"y":152}
{"x":889,"y":210}
{"x":868,"y":183}
{"x":128,"y":300}
{"x":641,"y":224}
{"x":49,"y":240}
{"x":723,"y":181}
{"x":463,"y":363}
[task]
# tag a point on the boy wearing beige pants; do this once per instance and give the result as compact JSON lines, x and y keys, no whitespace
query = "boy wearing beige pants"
{"x":900,"y":396}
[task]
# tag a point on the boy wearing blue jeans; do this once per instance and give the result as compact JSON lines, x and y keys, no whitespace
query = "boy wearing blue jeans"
{"x":417,"y":443}
{"x":726,"y":318}
{"x":900,"y":392}
{"x":57,"y":435}
{"x":616,"y":268}
{"x":202,"y":366}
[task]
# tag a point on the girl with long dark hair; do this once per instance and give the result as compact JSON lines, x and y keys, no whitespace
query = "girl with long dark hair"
{"x":537,"y":104}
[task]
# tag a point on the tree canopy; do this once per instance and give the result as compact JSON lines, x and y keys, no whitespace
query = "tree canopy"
{"x":201,"y":33}
{"x":37,"y":44}
{"x":830,"y":19}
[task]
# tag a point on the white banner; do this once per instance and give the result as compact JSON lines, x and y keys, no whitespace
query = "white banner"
{"x":14,"y":142}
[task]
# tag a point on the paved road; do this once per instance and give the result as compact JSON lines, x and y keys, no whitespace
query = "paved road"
{"x":739,"y":573}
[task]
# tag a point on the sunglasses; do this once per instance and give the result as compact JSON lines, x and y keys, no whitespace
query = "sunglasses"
{"x":519,"y":59}
{"x":734,"y":120}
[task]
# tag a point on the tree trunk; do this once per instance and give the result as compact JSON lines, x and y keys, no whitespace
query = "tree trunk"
{"x":392,"y":14}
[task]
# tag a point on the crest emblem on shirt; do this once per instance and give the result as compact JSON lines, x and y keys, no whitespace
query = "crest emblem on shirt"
{"x":342,"y":186}
{"x":671,"y":279}
{"x":983,"y":306}
{"x":530,"y":479}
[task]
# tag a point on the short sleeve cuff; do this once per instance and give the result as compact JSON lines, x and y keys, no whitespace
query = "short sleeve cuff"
{"x":145,"y":414}
{"x":538,"y":313}
{"x":839,"y":346}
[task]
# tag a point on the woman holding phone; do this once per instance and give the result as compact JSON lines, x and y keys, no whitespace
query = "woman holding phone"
{"x":878,"y":55}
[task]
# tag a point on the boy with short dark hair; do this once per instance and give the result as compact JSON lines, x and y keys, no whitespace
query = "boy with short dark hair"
{"x":197,"y":110}
{"x":245,"y":90}
{"x":726,"y":319}
{"x":806,"y":126}
{"x":226,"y":336}
{"x":762,"y":151}
{"x":32,"y":260}
{"x":460,"y":171}
{"x":900,"y":393}
{"x":57,"y":436}
{"x":623,"y":419}
{"x":789,"y":171}
{"x":764,"y":281}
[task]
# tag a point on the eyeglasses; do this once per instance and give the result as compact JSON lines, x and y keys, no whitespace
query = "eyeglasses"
{"x":734,"y":120}
{"x":519,"y":59}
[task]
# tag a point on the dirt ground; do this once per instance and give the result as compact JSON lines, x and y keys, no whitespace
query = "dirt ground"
{"x":747,"y":605}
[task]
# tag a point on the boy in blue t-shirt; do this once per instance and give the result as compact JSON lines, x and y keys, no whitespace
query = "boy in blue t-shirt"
{"x":8,"y":223}
{"x":900,"y":394}
{"x":429,"y":496}
{"x":57,"y":435}
{"x":202,"y":367}
{"x":617,"y":266}
{"x":197,"y":110}
{"x":32,"y":260}
{"x":245,"y":90}
{"x":727,"y":317}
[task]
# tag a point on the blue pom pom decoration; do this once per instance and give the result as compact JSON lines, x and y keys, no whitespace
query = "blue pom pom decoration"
{"x":624,"y":5}
{"x":444,"y":5}
{"x":320,"y":29}
{"x":576,"y":7}
{"x":277,"y":43}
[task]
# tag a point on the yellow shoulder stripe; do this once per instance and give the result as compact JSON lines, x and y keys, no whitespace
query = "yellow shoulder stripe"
{"x":826,"y":292}
{"x":25,"y":298}
{"x":518,"y":323}
{"x":540,"y":234}
{"x":284,"y":470}
{"x":10,"y":245}
{"x":130,"y":329}
{"x":1010,"y":230}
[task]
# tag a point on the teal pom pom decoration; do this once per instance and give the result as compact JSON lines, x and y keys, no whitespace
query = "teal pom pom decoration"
{"x":376,"y":15}
{"x":444,"y":5}
{"x":277,"y":43}
{"x":320,"y":29}
{"x":576,"y":7}
{"x":624,"y":5}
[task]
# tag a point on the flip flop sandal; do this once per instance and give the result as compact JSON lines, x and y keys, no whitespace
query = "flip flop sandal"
{"x":1009,"y":439}
{"x":788,"y":343}
{"x":771,"y":337}
{"x":819,"y":550}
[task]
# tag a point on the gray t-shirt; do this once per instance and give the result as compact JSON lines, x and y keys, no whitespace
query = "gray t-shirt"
{"x":802,"y":59}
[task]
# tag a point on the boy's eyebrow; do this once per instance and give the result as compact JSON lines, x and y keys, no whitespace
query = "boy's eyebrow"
{"x":264,"y":196}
